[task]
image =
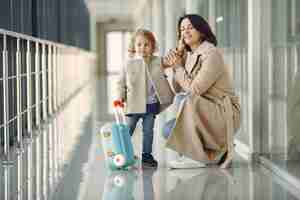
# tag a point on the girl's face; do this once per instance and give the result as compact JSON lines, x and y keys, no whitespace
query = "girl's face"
{"x":190,"y":35}
{"x":143,"y":46}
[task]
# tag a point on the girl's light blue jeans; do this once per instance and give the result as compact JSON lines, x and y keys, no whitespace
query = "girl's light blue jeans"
{"x":148,"y":125}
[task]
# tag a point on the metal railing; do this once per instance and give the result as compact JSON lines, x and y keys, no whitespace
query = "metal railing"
{"x":36,"y":78}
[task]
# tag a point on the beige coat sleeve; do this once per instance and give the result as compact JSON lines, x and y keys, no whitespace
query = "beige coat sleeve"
{"x":211,"y":69}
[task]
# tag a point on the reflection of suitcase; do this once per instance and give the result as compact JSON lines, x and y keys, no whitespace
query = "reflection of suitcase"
{"x":116,"y":143}
{"x":120,"y":185}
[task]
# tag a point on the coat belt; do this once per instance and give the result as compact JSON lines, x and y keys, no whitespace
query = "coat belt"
{"x":229,"y":121}
{"x":226,"y":102}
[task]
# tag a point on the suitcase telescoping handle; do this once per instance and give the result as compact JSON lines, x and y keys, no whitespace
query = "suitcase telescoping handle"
{"x":118,"y":108}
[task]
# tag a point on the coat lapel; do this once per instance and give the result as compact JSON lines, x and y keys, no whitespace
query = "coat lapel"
{"x":192,"y":62}
{"x":200,"y":53}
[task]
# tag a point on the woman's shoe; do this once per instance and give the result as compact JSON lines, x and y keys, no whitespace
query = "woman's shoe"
{"x":185,"y":163}
{"x":222,"y":159}
{"x":227,"y":161}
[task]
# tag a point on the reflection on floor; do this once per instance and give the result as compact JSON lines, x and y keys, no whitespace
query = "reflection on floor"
{"x":65,"y":161}
{"x":284,"y":164}
{"x":291,"y":166}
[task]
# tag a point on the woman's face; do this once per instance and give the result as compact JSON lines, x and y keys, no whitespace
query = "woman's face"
{"x":143,"y":46}
{"x":190,"y":35}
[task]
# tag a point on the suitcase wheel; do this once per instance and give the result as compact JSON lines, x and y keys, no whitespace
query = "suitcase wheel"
{"x":119,"y":181}
{"x":119,"y":160}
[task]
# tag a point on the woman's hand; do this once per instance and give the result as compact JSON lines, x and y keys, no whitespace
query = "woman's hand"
{"x":172,"y":59}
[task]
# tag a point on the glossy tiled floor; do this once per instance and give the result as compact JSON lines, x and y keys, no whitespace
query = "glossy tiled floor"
{"x":65,"y":161}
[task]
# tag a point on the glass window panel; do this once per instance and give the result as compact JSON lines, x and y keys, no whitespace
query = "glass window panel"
{"x":281,"y":84}
{"x":232,"y":35}
{"x":117,"y":53}
{"x":114,"y":51}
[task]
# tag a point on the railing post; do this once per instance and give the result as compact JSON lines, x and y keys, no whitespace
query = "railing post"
{"x":37,"y":85}
{"x":50,"y":73}
{"x":59,"y":74}
{"x":7,"y":183}
{"x":38,"y":167}
{"x":20,"y":181}
{"x":19,"y":100}
{"x":44,"y":162}
{"x":44,"y":85}
{"x":6,"y":159}
{"x":55,"y":151}
{"x":29,"y":92}
{"x":29,"y":171}
{"x":55,"y":78}
{"x":51,"y":158}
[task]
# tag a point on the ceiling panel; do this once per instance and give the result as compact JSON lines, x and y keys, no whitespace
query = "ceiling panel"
{"x":106,"y":10}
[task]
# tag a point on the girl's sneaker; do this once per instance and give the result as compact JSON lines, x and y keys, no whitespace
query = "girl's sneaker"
{"x":148,"y":161}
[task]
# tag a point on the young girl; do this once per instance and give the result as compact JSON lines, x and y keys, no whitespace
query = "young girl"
{"x":144,"y":88}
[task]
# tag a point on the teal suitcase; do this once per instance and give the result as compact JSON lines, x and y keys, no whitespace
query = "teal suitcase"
{"x":116,"y":143}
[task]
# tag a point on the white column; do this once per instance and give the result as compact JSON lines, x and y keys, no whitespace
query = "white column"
{"x":192,"y":6}
{"x":158,"y":20}
{"x":173,"y":10}
{"x":254,"y":78}
{"x":212,"y":15}
{"x":159,"y":150}
{"x":158,"y":23}
{"x":266,"y":21}
{"x":143,"y":15}
{"x":147,"y":12}
{"x":197,"y":7}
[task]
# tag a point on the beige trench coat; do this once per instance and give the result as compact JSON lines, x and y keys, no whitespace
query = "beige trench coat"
{"x":211,"y":114}
{"x":132,"y":85}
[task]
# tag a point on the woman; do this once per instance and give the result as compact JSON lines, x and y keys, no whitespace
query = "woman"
{"x":210,"y":112}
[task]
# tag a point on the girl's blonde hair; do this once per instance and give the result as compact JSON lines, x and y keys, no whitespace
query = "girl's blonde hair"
{"x":145,"y":33}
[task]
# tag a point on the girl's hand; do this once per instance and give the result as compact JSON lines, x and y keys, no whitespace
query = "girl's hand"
{"x":118,"y":102}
